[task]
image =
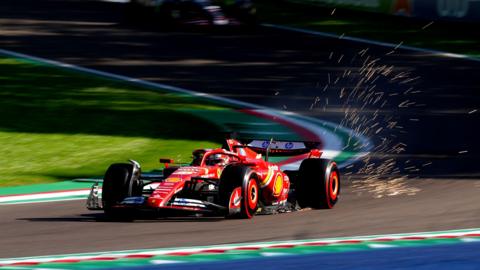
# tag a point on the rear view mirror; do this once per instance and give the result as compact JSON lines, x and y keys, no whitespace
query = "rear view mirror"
{"x":166,"y":161}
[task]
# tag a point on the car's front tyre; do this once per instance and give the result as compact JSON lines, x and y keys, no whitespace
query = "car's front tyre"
{"x":120,"y":181}
{"x":239,"y":191}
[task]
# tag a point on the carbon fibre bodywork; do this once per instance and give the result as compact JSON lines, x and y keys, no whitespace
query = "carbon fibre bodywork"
{"x":226,"y":181}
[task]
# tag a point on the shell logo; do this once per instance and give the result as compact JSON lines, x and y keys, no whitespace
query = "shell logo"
{"x":173,"y":180}
{"x":278,"y":185}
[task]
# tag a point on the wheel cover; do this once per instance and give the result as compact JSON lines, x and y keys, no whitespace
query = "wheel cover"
{"x":252,"y":195}
{"x":235,"y":198}
{"x":333,"y":185}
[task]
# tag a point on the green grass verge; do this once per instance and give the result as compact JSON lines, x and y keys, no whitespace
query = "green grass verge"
{"x":445,"y":36}
{"x":57,"y":124}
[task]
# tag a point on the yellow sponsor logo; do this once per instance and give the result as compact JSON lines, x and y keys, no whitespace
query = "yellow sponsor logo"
{"x":173,"y":179}
{"x":278,"y":185}
{"x":266,"y":180}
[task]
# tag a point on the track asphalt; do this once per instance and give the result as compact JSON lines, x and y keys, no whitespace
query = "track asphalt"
{"x":274,"y":68}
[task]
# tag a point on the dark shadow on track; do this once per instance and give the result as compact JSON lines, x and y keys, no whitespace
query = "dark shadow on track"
{"x":98,"y":217}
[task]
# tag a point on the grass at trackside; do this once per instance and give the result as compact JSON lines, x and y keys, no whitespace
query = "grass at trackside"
{"x":445,"y":36}
{"x":57,"y":124}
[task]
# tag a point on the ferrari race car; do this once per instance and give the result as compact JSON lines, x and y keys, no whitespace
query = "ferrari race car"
{"x":195,"y":12}
{"x":232,"y":181}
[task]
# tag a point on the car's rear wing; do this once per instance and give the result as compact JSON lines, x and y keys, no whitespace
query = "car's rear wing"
{"x":281,"y":148}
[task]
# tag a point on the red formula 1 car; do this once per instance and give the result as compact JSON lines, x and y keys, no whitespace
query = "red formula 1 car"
{"x":232,"y":181}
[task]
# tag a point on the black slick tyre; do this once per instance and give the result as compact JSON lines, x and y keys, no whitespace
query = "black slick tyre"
{"x":119,"y":182}
{"x":239,"y":191}
{"x":318,"y":184}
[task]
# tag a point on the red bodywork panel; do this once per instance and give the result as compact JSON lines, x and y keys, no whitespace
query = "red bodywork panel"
{"x":274,"y":183}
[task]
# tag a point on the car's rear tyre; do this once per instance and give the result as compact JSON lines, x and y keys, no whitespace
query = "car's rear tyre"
{"x":239,"y":191}
{"x":120,"y":181}
{"x":318,"y":184}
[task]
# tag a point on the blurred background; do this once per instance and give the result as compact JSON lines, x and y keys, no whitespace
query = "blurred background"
{"x":390,"y":87}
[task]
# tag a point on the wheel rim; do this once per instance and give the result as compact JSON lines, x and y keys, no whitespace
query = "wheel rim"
{"x":334,"y":185}
{"x":235,"y":198}
{"x":252,"y":196}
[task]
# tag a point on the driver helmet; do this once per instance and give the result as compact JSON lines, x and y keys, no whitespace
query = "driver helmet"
{"x":218,"y":159}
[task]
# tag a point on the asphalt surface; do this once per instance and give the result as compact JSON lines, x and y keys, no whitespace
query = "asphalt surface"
{"x":433,"y":100}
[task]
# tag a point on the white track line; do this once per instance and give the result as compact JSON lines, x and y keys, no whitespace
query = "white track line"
{"x":128,"y":79}
{"x":49,"y":195}
{"x":372,"y":42}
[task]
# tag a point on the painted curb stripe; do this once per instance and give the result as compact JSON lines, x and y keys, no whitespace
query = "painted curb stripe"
{"x":48,"y":194}
{"x":45,"y":196}
{"x":60,"y":199}
{"x":45,"y":188}
{"x":280,"y":248}
{"x":299,"y":129}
